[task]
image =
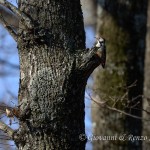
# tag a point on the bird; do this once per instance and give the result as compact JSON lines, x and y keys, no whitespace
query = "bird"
{"x":101,"y":50}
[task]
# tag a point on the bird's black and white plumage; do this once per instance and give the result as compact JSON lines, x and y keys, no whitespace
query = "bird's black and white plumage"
{"x":101,"y":50}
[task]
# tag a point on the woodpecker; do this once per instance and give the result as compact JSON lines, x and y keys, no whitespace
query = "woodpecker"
{"x":101,"y":50}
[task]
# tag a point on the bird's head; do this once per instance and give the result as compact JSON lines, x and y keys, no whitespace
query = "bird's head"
{"x":101,"y":51}
{"x":100,"y":42}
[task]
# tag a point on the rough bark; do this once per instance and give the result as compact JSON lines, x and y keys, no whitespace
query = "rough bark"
{"x":122,"y":23}
{"x":47,"y":74}
{"x":54,"y":68}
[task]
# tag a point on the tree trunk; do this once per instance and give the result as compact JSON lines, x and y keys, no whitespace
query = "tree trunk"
{"x":53,"y":76}
{"x":89,"y":12}
{"x":122,"y":23}
{"x":146,"y":102}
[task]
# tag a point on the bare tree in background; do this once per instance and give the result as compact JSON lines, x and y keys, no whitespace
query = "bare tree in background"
{"x":146,"y":101}
{"x":89,"y":11}
{"x":123,"y":24}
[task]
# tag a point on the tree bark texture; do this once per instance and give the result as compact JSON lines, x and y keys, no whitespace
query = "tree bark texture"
{"x":53,"y":76}
{"x":123,"y":25}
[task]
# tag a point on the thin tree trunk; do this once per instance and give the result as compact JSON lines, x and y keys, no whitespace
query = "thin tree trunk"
{"x":146,"y":102}
{"x":89,"y":12}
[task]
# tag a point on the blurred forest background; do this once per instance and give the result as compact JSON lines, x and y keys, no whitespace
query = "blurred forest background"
{"x":117,"y":97}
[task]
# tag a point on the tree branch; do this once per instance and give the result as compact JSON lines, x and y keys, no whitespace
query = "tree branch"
{"x":6,"y":129}
{"x":104,"y":105}
{"x":2,"y":61}
{"x":89,"y":60}
{"x":11,"y":19}
{"x":8,"y":28}
{"x":23,"y":18}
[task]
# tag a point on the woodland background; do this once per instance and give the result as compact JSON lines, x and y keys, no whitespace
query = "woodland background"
{"x":117,"y":97}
